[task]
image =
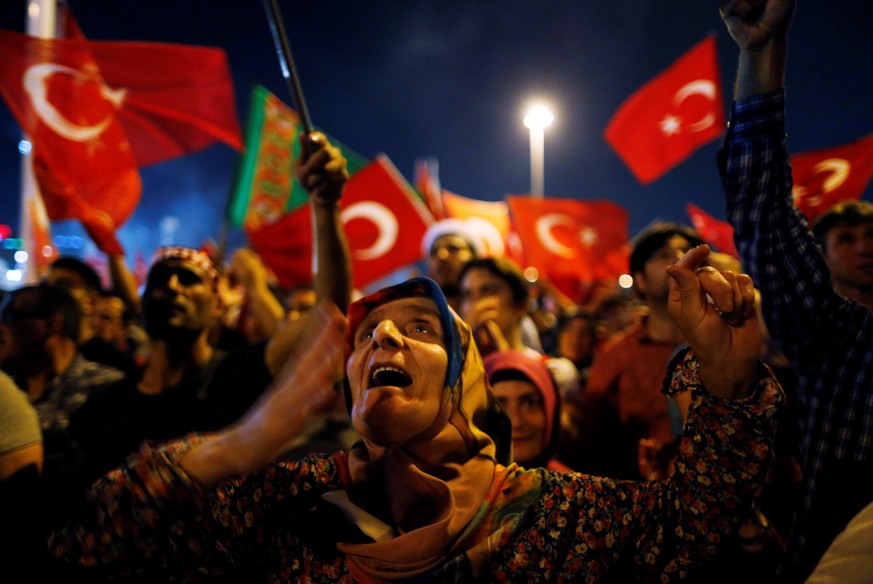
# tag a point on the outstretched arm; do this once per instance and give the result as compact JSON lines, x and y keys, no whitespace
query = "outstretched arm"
{"x":305,"y":387}
{"x":760,"y":29}
{"x":321,"y":169}
{"x":724,"y":333}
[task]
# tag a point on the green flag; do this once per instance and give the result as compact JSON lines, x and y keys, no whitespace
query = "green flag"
{"x":266,"y":187}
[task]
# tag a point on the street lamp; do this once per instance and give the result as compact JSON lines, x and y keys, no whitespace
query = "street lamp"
{"x":537,"y":119}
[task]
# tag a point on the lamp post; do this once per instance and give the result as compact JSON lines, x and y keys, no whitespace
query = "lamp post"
{"x":538,"y":118}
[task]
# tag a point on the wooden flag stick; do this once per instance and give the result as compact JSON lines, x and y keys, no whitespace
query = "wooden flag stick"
{"x":286,"y":60}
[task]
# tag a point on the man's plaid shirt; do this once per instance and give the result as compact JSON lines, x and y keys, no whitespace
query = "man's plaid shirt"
{"x":828,"y":339}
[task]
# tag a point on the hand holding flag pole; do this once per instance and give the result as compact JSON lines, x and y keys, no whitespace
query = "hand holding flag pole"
{"x":289,"y":72}
{"x":286,"y":60}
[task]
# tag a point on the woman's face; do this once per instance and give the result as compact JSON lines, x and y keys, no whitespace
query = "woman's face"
{"x":524,"y":405}
{"x":397,"y":371}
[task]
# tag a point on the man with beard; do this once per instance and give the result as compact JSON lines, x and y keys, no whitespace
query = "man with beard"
{"x":188,"y":384}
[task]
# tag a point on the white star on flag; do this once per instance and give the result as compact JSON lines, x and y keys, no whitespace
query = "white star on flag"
{"x":670,"y":125}
{"x":588,"y":236}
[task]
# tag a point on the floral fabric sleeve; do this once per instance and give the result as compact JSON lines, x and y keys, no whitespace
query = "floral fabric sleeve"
{"x":722,"y":461}
{"x":148,"y":517}
{"x":584,"y":529}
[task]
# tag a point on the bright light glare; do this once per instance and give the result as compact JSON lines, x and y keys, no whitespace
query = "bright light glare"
{"x":20,"y":256}
{"x":538,"y":117}
{"x":24,"y":147}
{"x":13,"y":275}
{"x":531,"y":274}
{"x":625,"y":281}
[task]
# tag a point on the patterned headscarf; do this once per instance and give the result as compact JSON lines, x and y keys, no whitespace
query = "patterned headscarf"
{"x":446,"y":471}
{"x":189,"y":254}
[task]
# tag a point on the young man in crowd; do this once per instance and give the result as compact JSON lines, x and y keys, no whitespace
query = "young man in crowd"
{"x":188,"y":384}
{"x":806,"y":292}
{"x":845,"y":233}
{"x":623,"y":403}
{"x":494,"y":302}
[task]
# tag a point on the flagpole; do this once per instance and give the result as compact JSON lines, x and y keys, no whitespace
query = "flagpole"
{"x":41,"y":21}
{"x":286,"y":60}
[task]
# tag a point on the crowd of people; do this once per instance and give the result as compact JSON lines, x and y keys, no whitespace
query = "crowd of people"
{"x":714,"y":425}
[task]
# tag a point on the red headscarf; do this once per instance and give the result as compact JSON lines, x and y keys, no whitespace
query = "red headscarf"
{"x":536,"y":371}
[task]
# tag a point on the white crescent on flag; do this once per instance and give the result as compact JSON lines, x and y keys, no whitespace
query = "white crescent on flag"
{"x":382,"y":218}
{"x":701,"y":87}
{"x":838,"y":170}
{"x":544,"y":227}
{"x":34,"y":82}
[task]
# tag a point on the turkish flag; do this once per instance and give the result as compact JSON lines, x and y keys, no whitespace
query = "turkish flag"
{"x":572,"y":242}
{"x":178,"y":98}
{"x":823,"y":178}
{"x":383,"y":219}
{"x":715,"y":232}
{"x":94,"y":111}
{"x":671,"y":116}
{"x":81,"y":157}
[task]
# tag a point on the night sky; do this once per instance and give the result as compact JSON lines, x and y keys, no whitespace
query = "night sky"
{"x":451,"y":80}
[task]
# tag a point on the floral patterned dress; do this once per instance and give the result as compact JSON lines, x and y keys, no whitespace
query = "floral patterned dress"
{"x":539,"y":526}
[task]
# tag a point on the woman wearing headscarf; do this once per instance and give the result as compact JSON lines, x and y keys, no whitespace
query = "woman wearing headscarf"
{"x":527,"y":393}
{"x":428,"y":494}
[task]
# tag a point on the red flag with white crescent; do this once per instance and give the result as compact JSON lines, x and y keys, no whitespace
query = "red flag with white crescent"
{"x":572,"y":241}
{"x":383,"y":218}
{"x":81,"y":157}
{"x":671,"y":116}
{"x":825,"y":177}
{"x":95,"y":111}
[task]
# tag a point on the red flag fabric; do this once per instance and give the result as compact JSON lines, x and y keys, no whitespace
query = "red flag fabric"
{"x":81,"y":157}
{"x":95,"y":110}
{"x":572,"y":242}
{"x":715,"y":232}
{"x":823,"y":178}
{"x":671,"y":116}
{"x":178,"y":98}
{"x":383,"y":219}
